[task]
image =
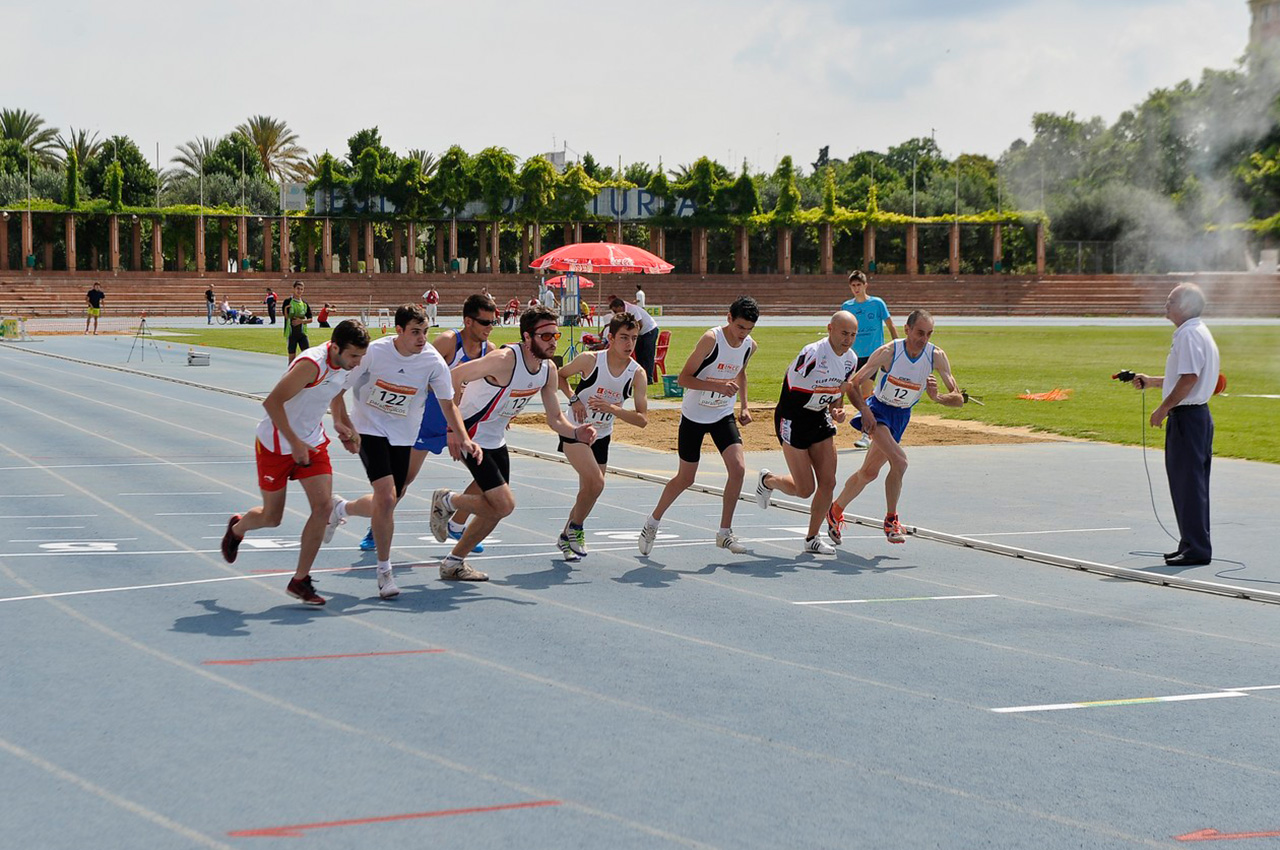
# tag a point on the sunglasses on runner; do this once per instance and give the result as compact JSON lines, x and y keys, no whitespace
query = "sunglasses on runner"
{"x":485,"y":322}
{"x":548,"y":337}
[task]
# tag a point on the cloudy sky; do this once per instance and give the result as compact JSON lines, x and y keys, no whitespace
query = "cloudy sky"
{"x":669,"y":80}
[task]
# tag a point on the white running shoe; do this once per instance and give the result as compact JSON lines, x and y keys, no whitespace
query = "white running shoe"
{"x":334,"y":521}
{"x":863,"y":442}
{"x":762,"y":491}
{"x":387,"y":585}
{"x":648,"y":533}
{"x":459,"y":570}
{"x":729,"y":540}
{"x":817,"y":546}
{"x":440,"y":515}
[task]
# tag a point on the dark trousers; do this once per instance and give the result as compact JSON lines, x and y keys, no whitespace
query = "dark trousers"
{"x":271,"y":311}
{"x":646,"y":348}
{"x":1188,"y":454}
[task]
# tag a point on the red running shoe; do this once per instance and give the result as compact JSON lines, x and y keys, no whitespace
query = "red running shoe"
{"x":231,"y":543}
{"x":835,"y":522}
{"x":893,"y":529}
{"x":302,"y":588}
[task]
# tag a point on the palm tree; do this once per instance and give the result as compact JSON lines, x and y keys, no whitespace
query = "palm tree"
{"x":28,"y":129}
{"x":85,"y":147}
{"x":191,"y":155}
{"x":277,"y":146}
{"x":427,"y":161}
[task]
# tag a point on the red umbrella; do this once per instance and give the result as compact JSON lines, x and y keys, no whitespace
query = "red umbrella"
{"x":602,"y":258}
{"x":558,"y":281}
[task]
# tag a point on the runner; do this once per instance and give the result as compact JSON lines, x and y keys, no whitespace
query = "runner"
{"x":608,"y":379}
{"x":908,"y":364}
{"x":494,"y":389}
{"x":390,"y":391}
{"x":292,"y":444}
{"x":713,"y":375}
{"x":805,"y":420}
{"x":468,"y":343}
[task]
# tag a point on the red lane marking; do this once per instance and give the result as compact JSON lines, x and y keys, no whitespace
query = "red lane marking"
{"x":247,"y":661}
{"x":1214,"y":835}
{"x":296,"y":830}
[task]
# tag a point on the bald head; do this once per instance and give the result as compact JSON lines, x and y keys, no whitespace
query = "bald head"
{"x":841,"y":330}
{"x":1186,"y":301}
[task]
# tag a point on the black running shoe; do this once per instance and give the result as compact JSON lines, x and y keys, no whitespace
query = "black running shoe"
{"x":302,"y":588}
{"x":231,"y":543}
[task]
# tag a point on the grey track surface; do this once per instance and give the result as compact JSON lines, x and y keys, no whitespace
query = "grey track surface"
{"x":677,"y":700}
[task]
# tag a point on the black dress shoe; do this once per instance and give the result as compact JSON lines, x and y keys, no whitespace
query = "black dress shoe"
{"x":1186,"y":559}
{"x":1169,"y":555}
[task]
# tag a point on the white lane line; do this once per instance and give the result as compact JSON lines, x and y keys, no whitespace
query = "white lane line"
{"x":1047,"y":531}
{"x":1064,"y":706}
{"x":54,"y":527}
{"x":73,"y":540}
{"x":897,"y":599}
{"x":199,"y":493}
{"x":33,"y":496}
{"x":184,"y":463}
{"x":1257,"y":688}
{"x":46,"y":516}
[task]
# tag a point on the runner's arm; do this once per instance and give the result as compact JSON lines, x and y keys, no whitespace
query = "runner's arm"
{"x":881,"y":358}
{"x":577,"y":366}
{"x":712,"y":385}
{"x":744,"y":414}
{"x":302,"y":372}
{"x":638,"y":417}
{"x":447,"y":345}
{"x":458,"y":440}
{"x":498,"y":363}
{"x":556,"y":420}
{"x":953,"y":397}
{"x":342,"y":424}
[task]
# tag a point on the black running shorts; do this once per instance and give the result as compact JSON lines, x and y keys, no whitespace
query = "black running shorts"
{"x":724,"y":433}
{"x":381,"y":459}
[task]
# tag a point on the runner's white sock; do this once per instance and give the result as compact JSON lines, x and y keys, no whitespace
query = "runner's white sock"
{"x":726,"y":530}
{"x":342,"y":509}
{"x":451,"y":560}
{"x":651,"y":522}
{"x":384,"y":566}
{"x":457,"y":527}
{"x":448,"y":502}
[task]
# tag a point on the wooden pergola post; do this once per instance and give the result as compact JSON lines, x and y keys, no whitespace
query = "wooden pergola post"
{"x":200,"y":262}
{"x":743,"y":258}
{"x":69,"y":225}
{"x":997,"y":249}
{"x":784,"y":251}
{"x":913,"y":248}
{"x":113,"y":241}
{"x":1040,"y":252}
{"x":826,"y":248}
{"x":869,"y":248}
{"x":157,"y":248}
{"x":953,"y":254}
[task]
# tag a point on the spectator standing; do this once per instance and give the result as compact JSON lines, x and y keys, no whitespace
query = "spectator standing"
{"x":1189,"y":379}
{"x":873,"y":317}
{"x":640,"y":296}
{"x":208,"y":305}
{"x":297,"y":314}
{"x":431,"y":301}
{"x":94,"y":299}
{"x":647,"y":344}
{"x":271,"y":304}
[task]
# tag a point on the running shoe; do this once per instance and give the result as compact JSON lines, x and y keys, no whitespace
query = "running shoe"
{"x":231,"y":543}
{"x":762,"y":491}
{"x":648,"y":533}
{"x":455,"y":533}
{"x":302,"y":588}
{"x":577,"y":538}
{"x":456,"y":569}
{"x":334,"y":520}
{"x":863,"y":442}
{"x":440,"y":515}
{"x":566,"y":548}
{"x":817,"y":546}
{"x":729,"y":540}
{"x":367,"y":543}
{"x":893,"y":529}
{"x":835,"y":523}
{"x":387,"y":585}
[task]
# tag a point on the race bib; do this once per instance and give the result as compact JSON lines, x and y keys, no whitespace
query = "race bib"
{"x":819,"y":400}
{"x":716,"y":401}
{"x":515,"y":404}
{"x":391,"y":399}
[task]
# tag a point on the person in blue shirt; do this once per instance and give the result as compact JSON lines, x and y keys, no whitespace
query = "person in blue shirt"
{"x":873,"y":317}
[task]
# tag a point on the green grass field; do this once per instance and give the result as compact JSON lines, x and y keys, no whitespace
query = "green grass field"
{"x":996,"y":364}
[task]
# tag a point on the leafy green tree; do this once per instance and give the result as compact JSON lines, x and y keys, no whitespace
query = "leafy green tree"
{"x":138,"y":178}
{"x":454,"y":184}
{"x":277,"y":148}
{"x":14,"y":157}
{"x":789,"y":196}
{"x":536,"y":185}
{"x":222,"y":191}
{"x":743,"y":197}
{"x":638,"y":173}
{"x":495,"y":171}
{"x":410,"y":191}
{"x":71,"y":195}
{"x":115,"y":185}
{"x":589,"y":165}
{"x":426,"y":161}
{"x":29,"y":130}
{"x":330,"y":178}
{"x":362,"y":140}
{"x":368,"y":182}
{"x":828,"y":189}
{"x":703,"y":180}
{"x":575,"y":191}
{"x":46,"y":184}
{"x":233,"y":152}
